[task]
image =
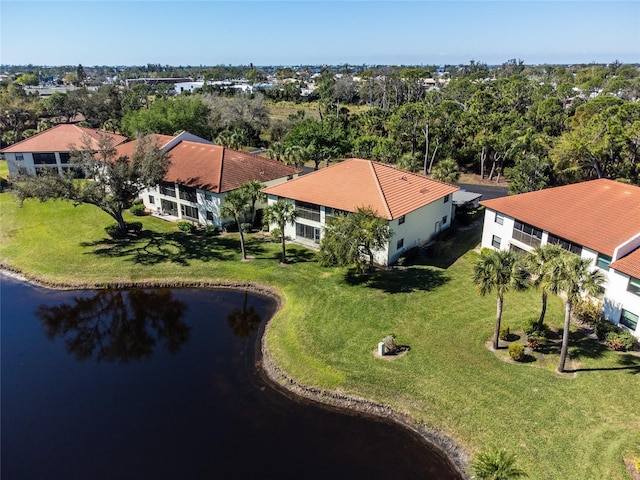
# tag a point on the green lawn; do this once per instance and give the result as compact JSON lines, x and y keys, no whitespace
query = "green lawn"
{"x":571,"y":427}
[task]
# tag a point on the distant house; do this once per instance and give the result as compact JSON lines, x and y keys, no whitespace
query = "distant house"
{"x":598,"y":220}
{"x":416,"y":207}
{"x":200,"y":176}
{"x":52,"y":148}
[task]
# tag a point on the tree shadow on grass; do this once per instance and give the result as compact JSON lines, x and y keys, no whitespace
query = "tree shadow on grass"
{"x":151,"y":248}
{"x":404,"y":280}
{"x":297,"y":254}
{"x":626,"y":361}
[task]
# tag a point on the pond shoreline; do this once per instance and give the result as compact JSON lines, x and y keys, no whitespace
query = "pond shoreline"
{"x":443,"y":445}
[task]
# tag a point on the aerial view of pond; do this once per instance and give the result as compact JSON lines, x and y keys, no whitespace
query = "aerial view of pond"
{"x":163,"y":384}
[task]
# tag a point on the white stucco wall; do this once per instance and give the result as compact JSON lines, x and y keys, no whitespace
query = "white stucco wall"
{"x":618,"y":297}
{"x":419,"y":227}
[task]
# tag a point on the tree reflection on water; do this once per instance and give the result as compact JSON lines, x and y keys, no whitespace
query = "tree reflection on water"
{"x":116,"y":325}
{"x":244,"y":321}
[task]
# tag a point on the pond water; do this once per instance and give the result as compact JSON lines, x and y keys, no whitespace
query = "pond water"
{"x":162,"y":384}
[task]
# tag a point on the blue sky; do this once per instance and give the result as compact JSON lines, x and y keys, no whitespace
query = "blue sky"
{"x":187,"y":32}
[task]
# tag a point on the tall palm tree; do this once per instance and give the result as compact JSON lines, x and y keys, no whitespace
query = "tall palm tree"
{"x":499,"y":271}
{"x":281,"y":213}
{"x":538,"y":263}
{"x":296,"y":155}
{"x":276,"y":151}
{"x":574,"y":278}
{"x":253,"y":190}
{"x":236,"y":205}
{"x":496,"y":465}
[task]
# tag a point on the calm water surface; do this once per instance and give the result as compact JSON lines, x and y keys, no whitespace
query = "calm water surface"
{"x":162,"y":384}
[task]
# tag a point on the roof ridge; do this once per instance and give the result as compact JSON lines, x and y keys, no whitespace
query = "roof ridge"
{"x":380,"y":190}
{"x":34,"y":136}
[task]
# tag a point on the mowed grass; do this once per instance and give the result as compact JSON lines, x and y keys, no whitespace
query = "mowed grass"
{"x":577,"y":426}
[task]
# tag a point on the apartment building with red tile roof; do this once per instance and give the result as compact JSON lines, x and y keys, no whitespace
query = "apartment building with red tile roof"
{"x":598,"y":219}
{"x":52,"y":148}
{"x":416,"y":207}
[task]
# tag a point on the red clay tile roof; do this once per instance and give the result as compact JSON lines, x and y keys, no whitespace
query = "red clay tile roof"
{"x":599,"y":214}
{"x":629,"y":264}
{"x":59,"y":139}
{"x":127,"y":149}
{"x":355,"y":182}
{"x":219,"y":169}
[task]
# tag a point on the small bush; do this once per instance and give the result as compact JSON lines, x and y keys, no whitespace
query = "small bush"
{"x":516,"y":352}
{"x":505,"y":332}
{"x":620,"y":341}
{"x":137,"y":209}
{"x":534,"y":341}
{"x":210,"y":230}
{"x":276,"y":233}
{"x":587,"y":312}
{"x":602,"y":329}
{"x":246,"y":227}
{"x":186,"y":227}
{"x":114,"y":231}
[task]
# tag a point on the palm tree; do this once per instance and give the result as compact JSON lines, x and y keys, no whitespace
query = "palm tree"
{"x":230,"y":139}
{"x":296,"y":155}
{"x":236,"y":205}
{"x":538,"y":263}
{"x":496,"y":465}
{"x":446,"y":170}
{"x":253,"y":190}
{"x":499,"y":271}
{"x":574,"y":278}
{"x":281,"y":213}
{"x":276,"y":151}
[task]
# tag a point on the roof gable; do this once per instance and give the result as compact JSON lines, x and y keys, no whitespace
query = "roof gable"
{"x":60,"y":139}
{"x":598,"y":214}
{"x":356,"y":182}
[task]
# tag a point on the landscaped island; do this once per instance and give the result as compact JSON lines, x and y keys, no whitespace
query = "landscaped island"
{"x":576,"y":426}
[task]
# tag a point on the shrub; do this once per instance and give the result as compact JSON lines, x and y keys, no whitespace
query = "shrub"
{"x":186,"y":227}
{"x":114,"y":231}
{"x":505,"y":332}
{"x":246,"y":227}
{"x":409,"y":256}
{"x":620,"y":341}
{"x":516,"y":351}
{"x":276,"y":233}
{"x":534,"y":341}
{"x":210,"y":230}
{"x":587,"y":312}
{"x":602,"y":328}
{"x":137,"y":209}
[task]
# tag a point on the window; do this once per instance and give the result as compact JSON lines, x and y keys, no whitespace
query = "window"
{"x":401,"y":220}
{"x":44,"y":158}
{"x":527,"y":234}
{"x":444,"y":220}
{"x":629,"y":319}
{"x":309,"y":211}
{"x":634,"y":286}
{"x":516,"y":249}
{"x":64,"y":157}
{"x":603,"y":261}
{"x":19,"y":157}
{"x":446,"y":198}
{"x":188,"y":193}
{"x":400,"y":244}
{"x":208,"y":196}
{"x":209,"y":215}
{"x":499,"y":218}
{"x":495,"y":242}
{"x":152,"y":199}
{"x":189,"y":211}
{"x":167,"y":189}
{"x":169,"y":208}
{"x":566,"y":244}
{"x":307,"y":231}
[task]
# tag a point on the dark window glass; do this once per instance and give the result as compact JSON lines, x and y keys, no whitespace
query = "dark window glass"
{"x":603,"y":261}
{"x":189,"y":211}
{"x":310,"y":211}
{"x":629,"y":319}
{"x":566,"y":244}
{"x":189,"y":194}
{"x":64,"y":157}
{"x":495,"y":242}
{"x":634,"y":286}
{"x":44,"y":158}
{"x":167,"y":189}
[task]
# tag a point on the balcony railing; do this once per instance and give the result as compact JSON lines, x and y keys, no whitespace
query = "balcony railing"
{"x":308,"y":213}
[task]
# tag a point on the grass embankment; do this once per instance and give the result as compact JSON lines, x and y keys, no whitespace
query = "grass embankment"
{"x":571,"y":427}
